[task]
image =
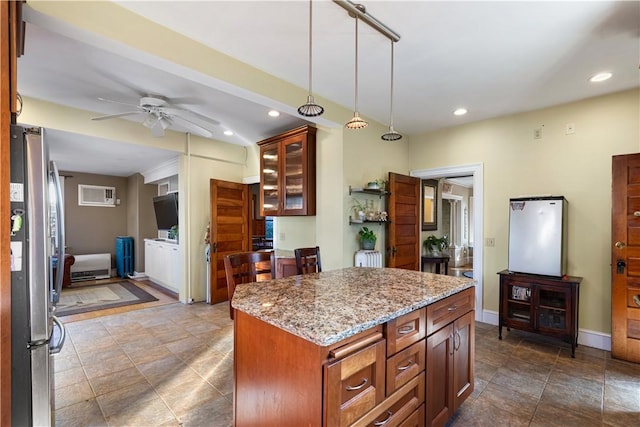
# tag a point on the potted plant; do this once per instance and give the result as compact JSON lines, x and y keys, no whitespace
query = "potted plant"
{"x":435,"y":245}
{"x":359,"y":209}
{"x":367,"y":239}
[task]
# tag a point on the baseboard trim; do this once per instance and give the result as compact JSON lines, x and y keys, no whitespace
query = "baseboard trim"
{"x":586,"y":337}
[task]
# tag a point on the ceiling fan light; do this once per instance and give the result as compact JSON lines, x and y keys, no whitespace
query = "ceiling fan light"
{"x":164,"y":122}
{"x":150,"y":121}
{"x":356,"y":122}
{"x":392,"y":135}
{"x":310,"y":109}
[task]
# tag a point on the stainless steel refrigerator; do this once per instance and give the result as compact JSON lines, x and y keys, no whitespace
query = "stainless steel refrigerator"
{"x":37,"y":241}
{"x":538,"y":235}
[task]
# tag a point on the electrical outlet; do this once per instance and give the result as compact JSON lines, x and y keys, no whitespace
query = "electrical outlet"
{"x":490,"y":242}
{"x":537,"y":134}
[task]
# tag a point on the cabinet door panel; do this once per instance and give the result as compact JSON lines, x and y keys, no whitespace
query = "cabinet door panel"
{"x":439,"y":376}
{"x":269,"y":182}
{"x":355,"y":384}
{"x":463,"y":357}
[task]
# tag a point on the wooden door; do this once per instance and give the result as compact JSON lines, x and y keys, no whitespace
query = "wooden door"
{"x":625,"y":258}
{"x":229,"y":230}
{"x":463,"y":357}
{"x":403,"y":237}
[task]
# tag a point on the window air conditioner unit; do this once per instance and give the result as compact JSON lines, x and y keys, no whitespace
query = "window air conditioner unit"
{"x":96,"y":195}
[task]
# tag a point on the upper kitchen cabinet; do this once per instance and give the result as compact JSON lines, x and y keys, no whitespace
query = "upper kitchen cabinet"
{"x":288,"y":173}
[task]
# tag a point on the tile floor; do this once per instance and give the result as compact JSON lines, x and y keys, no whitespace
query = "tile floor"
{"x":172,"y":365}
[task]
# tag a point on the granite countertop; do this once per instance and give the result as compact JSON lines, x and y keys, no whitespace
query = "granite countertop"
{"x":327,"y":307}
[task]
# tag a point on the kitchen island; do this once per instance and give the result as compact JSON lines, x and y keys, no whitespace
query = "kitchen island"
{"x":352,"y":347}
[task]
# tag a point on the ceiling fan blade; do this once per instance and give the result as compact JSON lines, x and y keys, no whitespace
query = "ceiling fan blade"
{"x":128,"y":104}
{"x":192,"y":127}
{"x":173,"y":110}
{"x":113,"y":116}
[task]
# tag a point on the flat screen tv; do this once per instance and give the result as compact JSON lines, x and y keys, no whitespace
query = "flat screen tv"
{"x":166,"y":209}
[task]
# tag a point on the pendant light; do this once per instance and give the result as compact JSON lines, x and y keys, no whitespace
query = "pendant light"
{"x":392,"y":135}
{"x":356,"y":122}
{"x":310,"y":109}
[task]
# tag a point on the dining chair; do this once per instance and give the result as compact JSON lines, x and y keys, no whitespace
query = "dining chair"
{"x":247,"y":267}
{"x":308,"y":260}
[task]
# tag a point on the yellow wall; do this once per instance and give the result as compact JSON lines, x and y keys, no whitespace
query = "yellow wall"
{"x":367,"y":158}
{"x":577,"y":166}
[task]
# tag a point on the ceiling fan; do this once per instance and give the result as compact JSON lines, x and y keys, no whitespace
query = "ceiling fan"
{"x":160,"y":114}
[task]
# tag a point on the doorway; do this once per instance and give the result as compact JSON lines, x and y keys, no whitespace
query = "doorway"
{"x":475,"y":221}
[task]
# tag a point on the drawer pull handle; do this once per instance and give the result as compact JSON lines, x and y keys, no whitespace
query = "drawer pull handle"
{"x":406,"y":329}
{"x":636,"y":213}
{"x":405,"y":367}
{"x":452,"y":308}
{"x":359,"y":386}
{"x":386,"y":420}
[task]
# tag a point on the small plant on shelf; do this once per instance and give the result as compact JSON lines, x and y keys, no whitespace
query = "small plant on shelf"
{"x":367,"y":238}
{"x":359,"y":209}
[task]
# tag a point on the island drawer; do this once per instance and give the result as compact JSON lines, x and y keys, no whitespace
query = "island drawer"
{"x":405,"y":365}
{"x":405,"y":330}
{"x":398,"y":408}
{"x":443,"y":312}
{"x":416,"y":419}
{"x":354,"y":384}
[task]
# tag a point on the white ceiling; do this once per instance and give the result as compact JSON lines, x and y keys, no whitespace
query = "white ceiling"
{"x":493,"y":58}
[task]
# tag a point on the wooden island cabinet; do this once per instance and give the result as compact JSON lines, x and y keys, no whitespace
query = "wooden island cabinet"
{"x":353,"y":347}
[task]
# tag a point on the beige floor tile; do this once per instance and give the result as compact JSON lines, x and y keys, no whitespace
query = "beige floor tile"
{"x":550,"y":414}
{"x":617,"y":416}
{"x":116,"y":381}
{"x":82,"y":414}
{"x":73,"y":393}
{"x":99,"y":355}
{"x":150,"y":413}
{"x":108,"y":366}
{"x":185,"y":395}
{"x":120,"y":400}
{"x":69,"y":377}
{"x":212,"y":413}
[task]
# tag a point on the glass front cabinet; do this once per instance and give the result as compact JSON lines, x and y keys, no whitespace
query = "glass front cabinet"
{"x":287,"y":173}
{"x":540,"y":304}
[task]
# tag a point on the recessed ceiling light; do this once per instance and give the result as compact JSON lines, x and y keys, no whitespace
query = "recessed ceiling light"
{"x":228,"y":132}
{"x":460,"y":112}
{"x":274,"y":113}
{"x":600,"y":77}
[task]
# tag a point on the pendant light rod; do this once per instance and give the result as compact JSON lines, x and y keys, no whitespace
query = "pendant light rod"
{"x":310,"y":108}
{"x":360,"y":11}
{"x":391,"y":94}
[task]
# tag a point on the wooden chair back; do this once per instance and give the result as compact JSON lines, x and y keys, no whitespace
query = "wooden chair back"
{"x":308,"y":260}
{"x":247,"y":267}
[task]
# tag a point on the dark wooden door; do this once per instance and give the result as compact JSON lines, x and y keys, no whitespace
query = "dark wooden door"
{"x":625,"y":258}
{"x":463,"y":357}
{"x":229,"y":230}
{"x":403,"y":237}
{"x":440,"y":347}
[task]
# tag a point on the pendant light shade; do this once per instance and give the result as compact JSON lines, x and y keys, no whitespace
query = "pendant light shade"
{"x":391,"y":135}
{"x":356,"y":122}
{"x":310,"y":109}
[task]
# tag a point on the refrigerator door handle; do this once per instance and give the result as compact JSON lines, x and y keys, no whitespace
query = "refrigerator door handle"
{"x":57,"y":286}
{"x":55,"y":349}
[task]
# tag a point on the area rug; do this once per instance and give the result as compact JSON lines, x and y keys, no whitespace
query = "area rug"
{"x":83,"y":299}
